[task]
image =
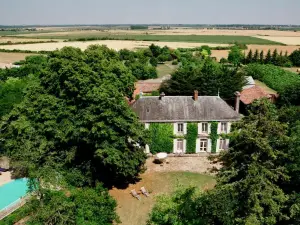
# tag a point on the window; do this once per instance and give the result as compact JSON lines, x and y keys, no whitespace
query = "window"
{"x":180,"y":127}
{"x":203,"y":145}
{"x":204,"y":127}
{"x":222,"y":145}
{"x":224,"y":127}
{"x":180,"y":145}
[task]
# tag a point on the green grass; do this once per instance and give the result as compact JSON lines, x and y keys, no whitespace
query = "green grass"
{"x":134,"y":212}
{"x":165,"y":69}
{"x":217,"y":39}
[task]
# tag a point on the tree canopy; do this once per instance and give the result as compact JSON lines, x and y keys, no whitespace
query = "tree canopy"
{"x":76,"y":121}
{"x":209,"y":78}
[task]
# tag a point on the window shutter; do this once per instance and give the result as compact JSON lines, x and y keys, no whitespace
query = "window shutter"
{"x":147,"y":125}
{"x":197,"y":145}
{"x":199,"y":128}
{"x":209,"y":128}
{"x":174,"y":145}
{"x":219,"y":128}
{"x":175,"y":128}
{"x":185,"y":128}
{"x":228,"y":127}
{"x":227,"y":143}
{"x":218,"y":145}
{"x":209,"y":145}
{"x":147,"y":149}
{"x":184,"y":146}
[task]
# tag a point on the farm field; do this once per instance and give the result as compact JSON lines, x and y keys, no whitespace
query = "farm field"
{"x":57,"y":31}
{"x":135,"y":212}
{"x":218,"y":39}
{"x":18,"y":40}
{"x":6,"y":58}
{"x":289,"y":48}
{"x":114,"y":44}
{"x":284,"y":40}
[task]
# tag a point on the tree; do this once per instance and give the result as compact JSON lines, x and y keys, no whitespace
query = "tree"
{"x":261,"y":57}
{"x":235,"y":55}
{"x":248,"y":189}
{"x":274,"y":57}
{"x":253,"y":165}
{"x":156,"y":50}
{"x":207,"y":48}
{"x":268,"y":58}
{"x":249,"y":58}
{"x":76,"y":206}
{"x":153,"y":61}
{"x":209,"y":78}
{"x":256,"y":56}
{"x":77,"y":121}
{"x":295,"y":57}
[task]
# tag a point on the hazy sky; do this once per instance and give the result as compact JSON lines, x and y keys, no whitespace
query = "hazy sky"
{"x":16,"y":12}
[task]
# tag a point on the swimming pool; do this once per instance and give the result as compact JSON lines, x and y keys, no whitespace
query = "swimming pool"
{"x":12,"y":191}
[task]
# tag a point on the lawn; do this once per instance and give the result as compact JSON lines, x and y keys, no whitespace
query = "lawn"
{"x":165,"y":69}
{"x":135,"y":212}
{"x":218,"y":39}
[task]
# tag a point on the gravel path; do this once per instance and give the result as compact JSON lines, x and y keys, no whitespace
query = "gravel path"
{"x":191,"y":164}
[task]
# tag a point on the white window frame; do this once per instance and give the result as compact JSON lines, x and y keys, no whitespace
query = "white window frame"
{"x":180,"y":142}
{"x":224,"y":127}
{"x":222,"y":144}
{"x":203,"y":146}
{"x":180,"y":128}
{"x":201,"y":130}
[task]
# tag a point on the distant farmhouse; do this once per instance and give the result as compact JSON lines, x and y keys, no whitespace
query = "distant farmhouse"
{"x":211,"y":115}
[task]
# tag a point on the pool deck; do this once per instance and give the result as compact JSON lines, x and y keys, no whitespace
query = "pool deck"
{"x":5,"y":178}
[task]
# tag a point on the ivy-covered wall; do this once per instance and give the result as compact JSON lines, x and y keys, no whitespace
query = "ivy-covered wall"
{"x":191,"y":137}
{"x":161,"y":137}
{"x":214,"y":136}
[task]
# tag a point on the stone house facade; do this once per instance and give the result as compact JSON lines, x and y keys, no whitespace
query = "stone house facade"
{"x":211,"y":117}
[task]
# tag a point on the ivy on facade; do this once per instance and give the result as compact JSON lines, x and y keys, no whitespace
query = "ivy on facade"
{"x":161,"y":137}
{"x":214,"y":136}
{"x":191,"y":137}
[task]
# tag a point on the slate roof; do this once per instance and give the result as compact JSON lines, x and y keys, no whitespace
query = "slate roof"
{"x":183,"y":108}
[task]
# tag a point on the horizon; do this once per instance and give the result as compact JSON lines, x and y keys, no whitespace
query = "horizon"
{"x":56,"y":12}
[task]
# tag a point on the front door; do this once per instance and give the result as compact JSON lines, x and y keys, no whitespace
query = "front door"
{"x":180,"y":146}
{"x":203,"y":145}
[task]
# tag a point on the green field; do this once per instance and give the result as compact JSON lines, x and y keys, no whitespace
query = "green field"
{"x":217,"y":39}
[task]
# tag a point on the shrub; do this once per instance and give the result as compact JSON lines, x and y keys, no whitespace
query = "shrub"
{"x":295,"y":57}
{"x":175,"y":62}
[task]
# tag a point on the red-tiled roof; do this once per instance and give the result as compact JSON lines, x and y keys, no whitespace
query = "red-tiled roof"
{"x":145,"y":87}
{"x":250,"y":94}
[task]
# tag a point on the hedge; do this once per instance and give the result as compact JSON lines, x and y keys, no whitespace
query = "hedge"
{"x":161,"y":137}
{"x":214,"y":136}
{"x":286,"y":83}
{"x":191,"y":137}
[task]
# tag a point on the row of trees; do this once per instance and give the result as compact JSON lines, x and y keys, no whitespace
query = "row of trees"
{"x":237,"y":57}
{"x":258,"y":183}
{"x":270,"y":58}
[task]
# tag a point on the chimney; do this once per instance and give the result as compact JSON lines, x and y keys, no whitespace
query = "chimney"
{"x":237,"y":101}
{"x":195,"y":95}
{"x":162,"y":95}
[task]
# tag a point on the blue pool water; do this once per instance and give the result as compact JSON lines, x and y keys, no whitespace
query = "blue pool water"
{"x":12,"y":191}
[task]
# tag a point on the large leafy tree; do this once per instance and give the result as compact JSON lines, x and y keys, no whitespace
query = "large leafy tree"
{"x":76,"y":121}
{"x":86,"y":206}
{"x":209,"y":78}
{"x":249,"y":185}
{"x":235,"y":55}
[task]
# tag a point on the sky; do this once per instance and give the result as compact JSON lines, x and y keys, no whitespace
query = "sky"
{"x":57,"y":12}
